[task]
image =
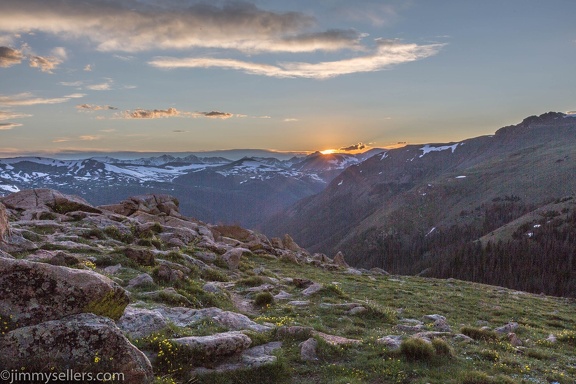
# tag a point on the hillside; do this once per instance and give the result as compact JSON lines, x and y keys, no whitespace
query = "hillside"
{"x":138,"y":289}
{"x":406,"y":209}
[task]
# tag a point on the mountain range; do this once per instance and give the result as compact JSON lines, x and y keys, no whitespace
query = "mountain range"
{"x":246,"y":191}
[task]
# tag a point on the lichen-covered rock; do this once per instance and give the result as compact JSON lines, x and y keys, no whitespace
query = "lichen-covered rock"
{"x":141,"y":255}
{"x":308,"y":350}
{"x":4,"y":224}
{"x":36,"y":292}
{"x":232,"y":257}
{"x":83,"y":343}
{"x":289,"y":244}
{"x":217,"y":345}
{"x":139,"y":322}
{"x":339,"y":260}
{"x":141,"y":280}
{"x":48,"y":200}
{"x":507,"y":328}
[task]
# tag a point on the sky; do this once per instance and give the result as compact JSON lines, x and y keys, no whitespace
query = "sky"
{"x":186,"y":76}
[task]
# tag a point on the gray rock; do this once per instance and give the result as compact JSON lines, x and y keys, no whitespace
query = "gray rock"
{"x":353,"y":271}
{"x":141,"y":280}
{"x":433,"y":318}
{"x":17,"y":243}
{"x":289,"y":244}
{"x":356,"y":311}
{"x":54,"y":201}
{"x":339,"y":260}
{"x":282,"y":295}
{"x":507,"y":328}
{"x":217,"y":345}
{"x":141,"y":255}
{"x":249,"y":359}
{"x":36,"y":292}
{"x":308,"y":350}
{"x":232,"y":257}
{"x":514,"y":340}
{"x":4,"y":224}
{"x":299,"y":303}
{"x":392,"y":342}
{"x":137,"y":323}
{"x":212,"y":287}
{"x":409,"y":328}
{"x":379,"y":271}
{"x":82,"y":343}
{"x":112,"y":269}
{"x":6,"y":255}
{"x":441,"y":325}
{"x":294,"y":332}
{"x":314,"y":288}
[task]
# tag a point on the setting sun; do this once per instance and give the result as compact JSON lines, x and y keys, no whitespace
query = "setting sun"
{"x":328,"y":151}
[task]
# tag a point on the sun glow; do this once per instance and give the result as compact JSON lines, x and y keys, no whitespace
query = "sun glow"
{"x":328,"y":151}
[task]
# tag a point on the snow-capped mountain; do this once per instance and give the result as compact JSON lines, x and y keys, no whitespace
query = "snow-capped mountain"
{"x":212,"y":188}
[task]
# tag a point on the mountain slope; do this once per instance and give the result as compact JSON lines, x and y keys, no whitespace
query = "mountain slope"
{"x":385,"y":211}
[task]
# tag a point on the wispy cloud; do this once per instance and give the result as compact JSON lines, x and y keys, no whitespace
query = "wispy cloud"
{"x":105,"y":86}
{"x":387,"y":54}
{"x":216,"y":115}
{"x":7,"y":115}
{"x":8,"y":126}
{"x":355,"y":147}
{"x":79,"y":138}
{"x":290,"y":120}
{"x":88,"y":68}
{"x":10,"y":57}
{"x":27,"y":99}
{"x":151,"y":113}
{"x":172,"y":112}
{"x":92,"y":107}
{"x":235,"y":25}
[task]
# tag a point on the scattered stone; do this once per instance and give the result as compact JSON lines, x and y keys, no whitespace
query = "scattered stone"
{"x":551,"y":339}
{"x":294,"y":332}
{"x":379,"y":271}
{"x":112,"y":269}
{"x":302,"y":283}
{"x":217,"y":345}
{"x":212,"y":287}
{"x":441,"y":325}
{"x":289,"y":256}
{"x":54,"y":258}
{"x":36,"y":292}
{"x":392,"y":342}
{"x":298,"y":303}
{"x":433,"y":318}
{"x":137,"y":323}
{"x":339,"y":260}
{"x":289,"y":244}
{"x":232,"y":257}
{"x":75,"y":343}
{"x":4,"y":224}
{"x":314,"y":288}
{"x":249,"y":359}
{"x":17,"y":243}
{"x":514,"y":340}
{"x":336,"y":340}
{"x":463,"y":338}
{"x":48,"y":200}
{"x":356,"y":311}
{"x":141,"y":280}
{"x":507,"y":328}
{"x":308,"y":350}
{"x":141,"y":255}
{"x":282,"y":295}
{"x":409,"y":328}
{"x":353,"y":271}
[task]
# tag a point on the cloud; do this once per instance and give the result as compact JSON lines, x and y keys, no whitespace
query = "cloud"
{"x":75,"y":95}
{"x":88,"y":68}
{"x":106,"y":86}
{"x":179,"y":131}
{"x":355,"y":147}
{"x":10,"y":57}
{"x":6,"y":115}
{"x":290,"y":120}
{"x":79,"y":138}
{"x":27,"y":99}
{"x":151,"y":113}
{"x":91,"y":107}
{"x":46,"y":64}
{"x":72,"y":83}
{"x":8,"y":126}
{"x":146,"y":26}
{"x":387,"y":54}
{"x":217,"y":115}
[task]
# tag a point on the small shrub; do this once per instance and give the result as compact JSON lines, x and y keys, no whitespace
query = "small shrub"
{"x":489,"y":355}
{"x":252,"y":281}
{"x":116,"y":234}
{"x":416,"y":349}
{"x":263,"y":298}
{"x":479,"y":334}
{"x":332,"y":290}
{"x":442,"y":348}
{"x":212,"y":274}
{"x":567,"y":336}
{"x":379,"y":312}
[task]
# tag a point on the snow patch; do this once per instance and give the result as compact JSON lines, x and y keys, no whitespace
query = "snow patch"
{"x":427,"y":148}
{"x":341,"y":182}
{"x":384,"y":155}
{"x":10,"y":188}
{"x":460,"y":177}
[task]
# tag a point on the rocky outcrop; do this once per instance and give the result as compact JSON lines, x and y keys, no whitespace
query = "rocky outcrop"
{"x":308,"y":350}
{"x":215,"y":346}
{"x":4,"y":224}
{"x":84,"y":343}
{"x":36,"y":203}
{"x":36,"y":292}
